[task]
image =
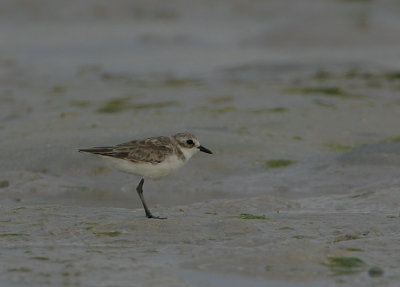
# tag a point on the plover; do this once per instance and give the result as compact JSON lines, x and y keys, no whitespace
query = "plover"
{"x":150,"y":158}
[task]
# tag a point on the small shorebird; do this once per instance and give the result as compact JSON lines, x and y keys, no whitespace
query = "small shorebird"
{"x":150,"y":158}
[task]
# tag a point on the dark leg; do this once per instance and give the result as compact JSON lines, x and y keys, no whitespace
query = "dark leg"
{"x":139,"y":190}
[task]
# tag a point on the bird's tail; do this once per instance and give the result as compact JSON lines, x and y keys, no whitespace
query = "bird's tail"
{"x":97,"y":150}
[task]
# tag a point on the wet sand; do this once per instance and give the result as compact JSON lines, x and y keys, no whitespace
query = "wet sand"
{"x":299,"y":103}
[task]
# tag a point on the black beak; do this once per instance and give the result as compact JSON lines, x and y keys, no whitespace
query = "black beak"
{"x":203,"y":149}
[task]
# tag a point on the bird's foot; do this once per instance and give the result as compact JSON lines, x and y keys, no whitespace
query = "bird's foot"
{"x":155,"y":217}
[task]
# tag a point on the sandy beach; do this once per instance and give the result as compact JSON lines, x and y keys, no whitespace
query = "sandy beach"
{"x":298,"y":101}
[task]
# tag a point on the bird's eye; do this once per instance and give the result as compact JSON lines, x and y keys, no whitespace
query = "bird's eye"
{"x":190,"y":142}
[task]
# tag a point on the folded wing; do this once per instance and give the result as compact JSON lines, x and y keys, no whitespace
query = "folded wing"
{"x":152,"y":150}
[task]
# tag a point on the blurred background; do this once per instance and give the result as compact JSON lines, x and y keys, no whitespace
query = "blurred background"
{"x":258,"y":82}
{"x":298,"y":100}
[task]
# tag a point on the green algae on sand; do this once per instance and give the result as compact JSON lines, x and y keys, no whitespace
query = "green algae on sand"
{"x":108,"y":233}
{"x":114,"y":106}
{"x":13,"y":234}
{"x":276,"y":163}
{"x":331,"y":91}
{"x":251,"y":216}
{"x":122,"y":104}
{"x":345,"y":265}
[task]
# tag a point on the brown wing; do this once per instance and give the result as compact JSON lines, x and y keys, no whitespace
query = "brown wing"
{"x":151,"y":150}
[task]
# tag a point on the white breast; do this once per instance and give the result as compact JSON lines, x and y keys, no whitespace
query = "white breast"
{"x":146,"y":170}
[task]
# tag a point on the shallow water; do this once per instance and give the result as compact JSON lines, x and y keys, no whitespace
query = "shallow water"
{"x":313,"y":83}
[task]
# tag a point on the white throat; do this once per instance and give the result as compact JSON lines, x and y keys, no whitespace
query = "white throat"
{"x":188,"y":152}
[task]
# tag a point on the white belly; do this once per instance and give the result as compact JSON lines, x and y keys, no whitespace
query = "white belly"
{"x":146,"y":170}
